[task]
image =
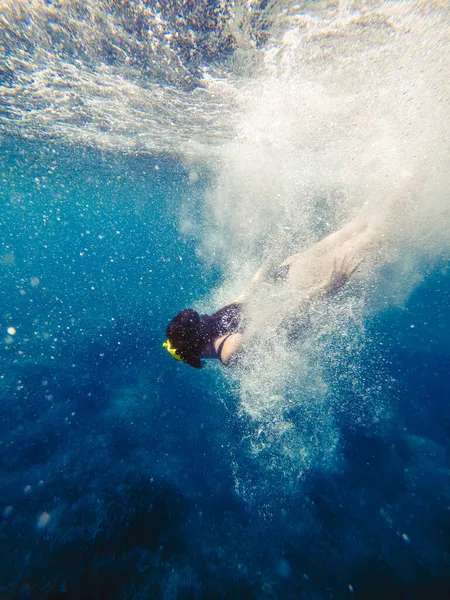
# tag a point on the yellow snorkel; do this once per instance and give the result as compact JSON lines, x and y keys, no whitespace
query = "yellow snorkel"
{"x":172,"y":351}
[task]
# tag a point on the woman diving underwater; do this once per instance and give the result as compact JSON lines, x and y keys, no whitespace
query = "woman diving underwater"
{"x":318,"y":272}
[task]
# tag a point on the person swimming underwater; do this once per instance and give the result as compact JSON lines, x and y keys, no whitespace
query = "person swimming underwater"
{"x":318,"y":272}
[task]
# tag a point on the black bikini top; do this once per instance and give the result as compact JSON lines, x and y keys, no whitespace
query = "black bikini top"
{"x":225,"y":322}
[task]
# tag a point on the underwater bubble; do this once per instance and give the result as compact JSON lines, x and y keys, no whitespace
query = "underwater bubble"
{"x":193,"y":177}
{"x":7,"y":259}
{"x":43,"y":520}
{"x":284,"y":568}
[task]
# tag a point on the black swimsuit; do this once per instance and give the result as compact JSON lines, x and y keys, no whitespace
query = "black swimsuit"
{"x":225,"y":322}
{"x":231,"y":319}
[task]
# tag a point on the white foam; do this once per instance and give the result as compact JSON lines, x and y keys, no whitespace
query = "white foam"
{"x":349,"y":114}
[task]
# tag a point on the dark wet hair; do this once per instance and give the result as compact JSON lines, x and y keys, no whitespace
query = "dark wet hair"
{"x":190,"y":332}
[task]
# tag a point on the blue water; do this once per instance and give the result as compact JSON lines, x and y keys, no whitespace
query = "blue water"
{"x":119,"y":465}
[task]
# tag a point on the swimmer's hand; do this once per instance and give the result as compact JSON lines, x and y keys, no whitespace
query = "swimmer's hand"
{"x":275,"y":250}
{"x":256,"y":281}
{"x":270,"y":257}
{"x":339,"y":276}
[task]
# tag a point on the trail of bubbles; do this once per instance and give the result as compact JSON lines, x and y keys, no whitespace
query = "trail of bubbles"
{"x":348,"y":114}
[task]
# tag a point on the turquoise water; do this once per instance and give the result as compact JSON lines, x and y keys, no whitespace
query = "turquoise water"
{"x":134,"y":458}
{"x":158,"y":183}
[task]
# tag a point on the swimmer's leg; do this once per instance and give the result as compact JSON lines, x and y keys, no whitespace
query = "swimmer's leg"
{"x":355,"y":241}
{"x":355,"y":227}
{"x":356,"y":247}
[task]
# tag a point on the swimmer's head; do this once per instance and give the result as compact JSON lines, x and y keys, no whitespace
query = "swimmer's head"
{"x":185,"y":336}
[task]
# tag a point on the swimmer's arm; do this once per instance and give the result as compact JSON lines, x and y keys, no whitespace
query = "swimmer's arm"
{"x":231,"y":347}
{"x":261,"y":274}
{"x":257,"y":278}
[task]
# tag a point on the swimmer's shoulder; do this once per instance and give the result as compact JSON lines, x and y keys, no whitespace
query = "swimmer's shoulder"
{"x":229,"y":345}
